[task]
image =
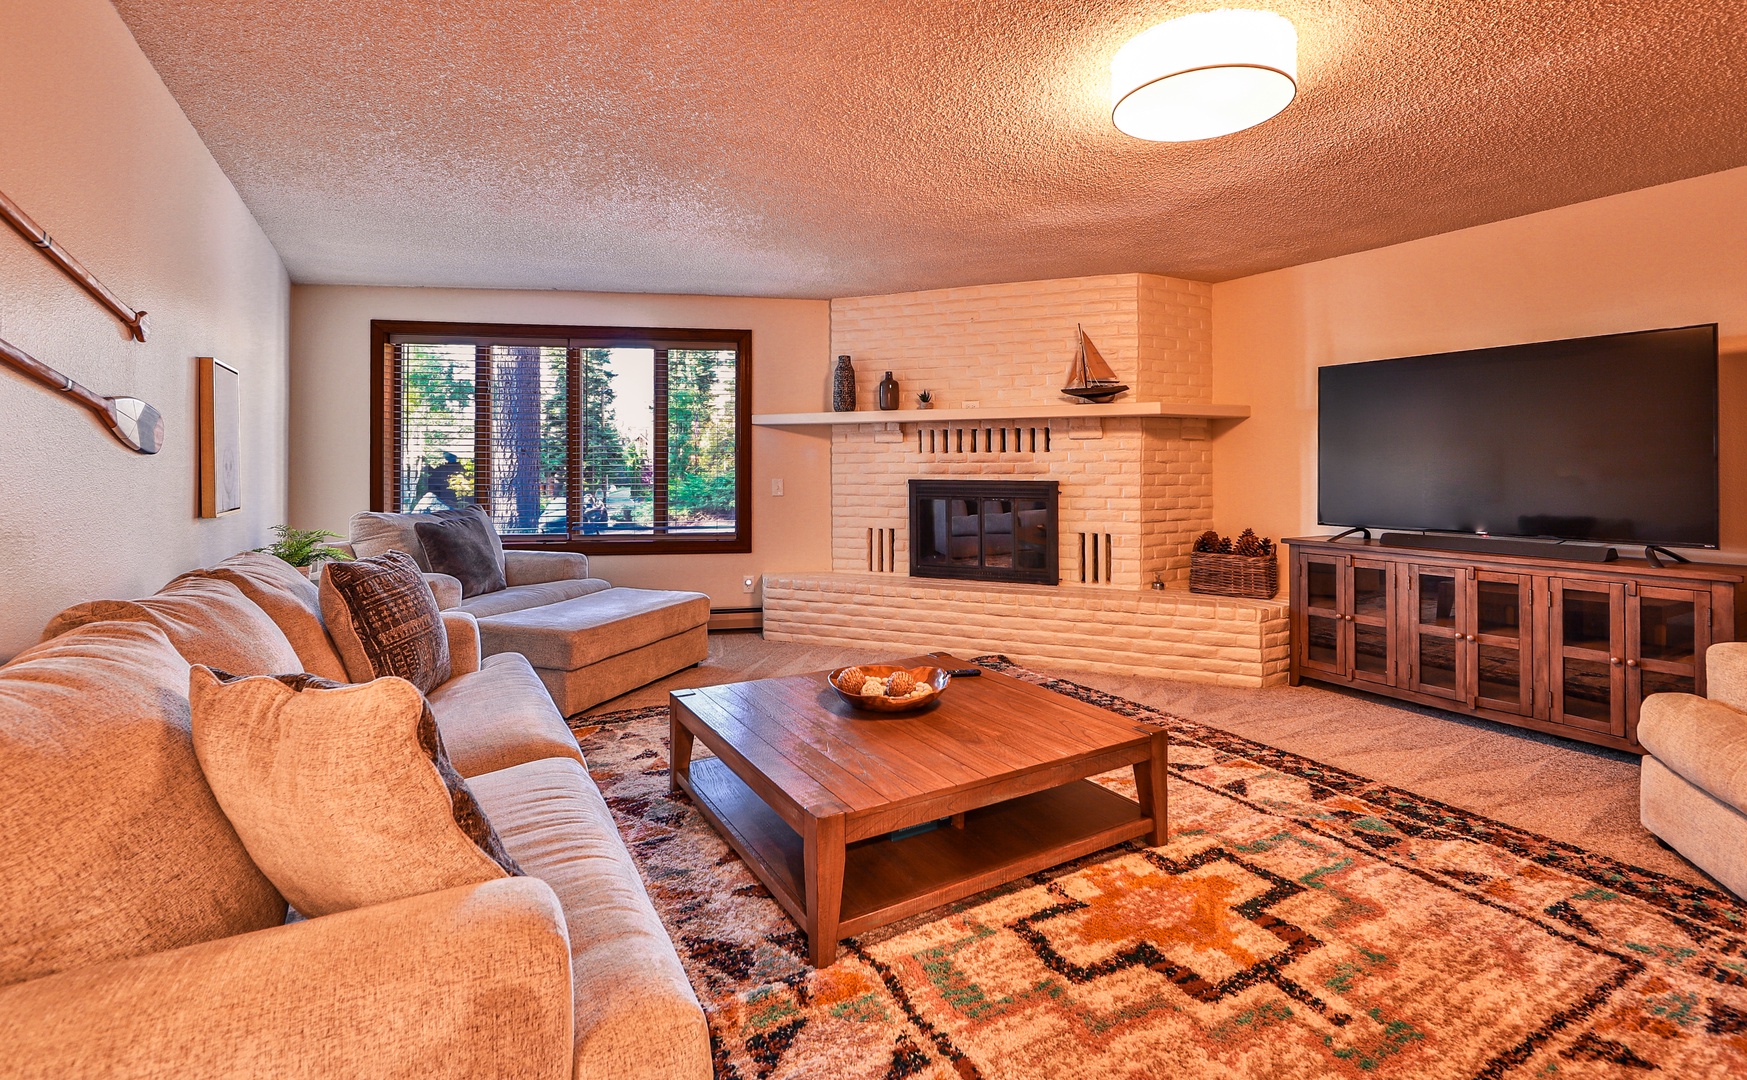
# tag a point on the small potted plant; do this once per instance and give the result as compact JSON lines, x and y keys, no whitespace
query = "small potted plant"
{"x":1244,"y":568}
{"x":305,"y":549}
{"x":925,"y":399}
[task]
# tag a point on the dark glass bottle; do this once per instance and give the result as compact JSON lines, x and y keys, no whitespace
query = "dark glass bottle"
{"x":888,"y":392}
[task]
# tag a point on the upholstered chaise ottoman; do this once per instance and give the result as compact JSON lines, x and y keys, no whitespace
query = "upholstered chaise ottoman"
{"x":591,"y":648}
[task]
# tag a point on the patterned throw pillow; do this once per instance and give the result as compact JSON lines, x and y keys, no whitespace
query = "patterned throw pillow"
{"x":458,"y":543}
{"x":342,"y":795}
{"x":384,"y":620}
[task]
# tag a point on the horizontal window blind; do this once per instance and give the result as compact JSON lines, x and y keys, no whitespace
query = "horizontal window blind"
{"x":605,"y":439}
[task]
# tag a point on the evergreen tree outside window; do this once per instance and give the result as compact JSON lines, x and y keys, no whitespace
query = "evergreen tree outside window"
{"x":594,"y":439}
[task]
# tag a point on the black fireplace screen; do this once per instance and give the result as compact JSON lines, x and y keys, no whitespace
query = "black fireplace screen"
{"x":989,"y":530}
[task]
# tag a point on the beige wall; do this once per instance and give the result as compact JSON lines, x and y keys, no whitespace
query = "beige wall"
{"x":330,"y":412}
{"x":95,"y":149}
{"x":1664,"y":256}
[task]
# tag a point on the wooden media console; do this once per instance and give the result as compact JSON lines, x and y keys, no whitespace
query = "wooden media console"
{"x":1566,"y":647}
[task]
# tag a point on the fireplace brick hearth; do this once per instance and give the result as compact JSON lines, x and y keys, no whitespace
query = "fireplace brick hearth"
{"x":1133,"y":491}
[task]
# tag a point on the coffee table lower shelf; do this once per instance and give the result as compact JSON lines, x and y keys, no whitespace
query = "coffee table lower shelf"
{"x":886,"y":880}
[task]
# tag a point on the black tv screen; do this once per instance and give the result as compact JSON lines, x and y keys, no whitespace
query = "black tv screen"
{"x":1610,"y":439}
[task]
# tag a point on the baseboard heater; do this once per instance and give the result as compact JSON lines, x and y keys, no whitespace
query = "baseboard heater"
{"x":1499,"y":545}
{"x":746,"y":618}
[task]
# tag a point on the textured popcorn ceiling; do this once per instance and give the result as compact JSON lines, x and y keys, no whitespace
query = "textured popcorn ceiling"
{"x":832,"y":147}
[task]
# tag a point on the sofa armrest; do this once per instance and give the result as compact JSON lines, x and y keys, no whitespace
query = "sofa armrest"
{"x":467,"y":982}
{"x":446,"y":589}
{"x":463,"y":631}
{"x":535,"y":567}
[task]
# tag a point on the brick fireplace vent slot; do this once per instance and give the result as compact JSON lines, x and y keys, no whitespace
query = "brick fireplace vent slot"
{"x":984,"y":530}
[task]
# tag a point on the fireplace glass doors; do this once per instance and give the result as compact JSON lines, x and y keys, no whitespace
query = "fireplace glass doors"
{"x":987,"y":530}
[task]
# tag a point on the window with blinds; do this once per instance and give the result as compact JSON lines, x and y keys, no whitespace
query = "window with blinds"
{"x":588,"y":438}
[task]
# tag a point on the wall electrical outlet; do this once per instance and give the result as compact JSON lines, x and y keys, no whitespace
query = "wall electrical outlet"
{"x":776,"y":487}
{"x":746,"y":582}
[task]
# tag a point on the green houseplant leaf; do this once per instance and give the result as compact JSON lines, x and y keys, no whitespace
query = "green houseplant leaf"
{"x":303,"y":547}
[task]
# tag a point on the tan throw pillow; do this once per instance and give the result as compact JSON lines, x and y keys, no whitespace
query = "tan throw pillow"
{"x":291,"y":600}
{"x":111,"y":844}
{"x":342,"y":795}
{"x":208,"y":621}
{"x":384,"y":620}
{"x":459,"y":543}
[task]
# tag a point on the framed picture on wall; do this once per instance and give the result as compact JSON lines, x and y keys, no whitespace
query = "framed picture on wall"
{"x":221,"y":442}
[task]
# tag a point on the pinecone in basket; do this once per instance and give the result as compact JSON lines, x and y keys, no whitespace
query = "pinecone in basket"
{"x":1207,"y":541}
{"x":899,"y":683}
{"x":1248,"y":543}
{"x":1224,"y":547}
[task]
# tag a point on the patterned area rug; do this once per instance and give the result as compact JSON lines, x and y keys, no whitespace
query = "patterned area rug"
{"x":1302,"y":922}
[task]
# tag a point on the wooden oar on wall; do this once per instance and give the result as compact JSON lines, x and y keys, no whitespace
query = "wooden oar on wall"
{"x":30,"y":230}
{"x":136,"y":424}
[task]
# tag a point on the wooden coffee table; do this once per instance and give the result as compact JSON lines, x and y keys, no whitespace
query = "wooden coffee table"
{"x":808,"y":790}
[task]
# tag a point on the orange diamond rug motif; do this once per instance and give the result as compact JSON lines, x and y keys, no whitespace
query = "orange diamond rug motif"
{"x":1302,"y":922}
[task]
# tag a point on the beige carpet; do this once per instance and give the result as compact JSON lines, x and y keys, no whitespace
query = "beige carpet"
{"x":1560,"y":789}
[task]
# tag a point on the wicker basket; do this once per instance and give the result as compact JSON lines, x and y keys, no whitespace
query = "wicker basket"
{"x":1253,"y":576}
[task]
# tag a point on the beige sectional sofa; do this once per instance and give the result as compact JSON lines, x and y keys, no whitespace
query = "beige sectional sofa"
{"x":1693,"y":793}
{"x":138,"y":939}
{"x":587,"y":640}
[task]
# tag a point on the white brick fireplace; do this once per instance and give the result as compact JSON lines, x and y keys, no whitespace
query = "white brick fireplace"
{"x":1135,"y":480}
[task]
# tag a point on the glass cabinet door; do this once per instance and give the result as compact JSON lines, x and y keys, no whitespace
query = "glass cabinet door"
{"x":1435,"y":631}
{"x":1372,"y":650}
{"x":1323,"y":647}
{"x":1587,"y":647}
{"x":1499,"y":641}
{"x":1667,"y":633}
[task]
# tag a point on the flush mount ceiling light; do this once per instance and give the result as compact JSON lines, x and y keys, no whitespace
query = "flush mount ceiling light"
{"x":1206,"y":75}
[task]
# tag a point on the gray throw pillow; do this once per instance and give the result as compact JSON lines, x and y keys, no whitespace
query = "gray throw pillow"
{"x":458,"y":543}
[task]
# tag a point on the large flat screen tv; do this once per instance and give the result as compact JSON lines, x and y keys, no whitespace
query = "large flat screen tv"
{"x":1610,"y":439}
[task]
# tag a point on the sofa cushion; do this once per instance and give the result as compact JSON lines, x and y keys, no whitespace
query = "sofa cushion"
{"x":628,"y":980}
{"x":521,"y":597}
{"x":1702,"y":740}
{"x":576,"y":633}
{"x":343,"y":795}
{"x":111,"y":843}
{"x":459,"y":543}
{"x":373,"y":533}
{"x":208,"y":621}
{"x":385,"y":621}
{"x":500,"y":716}
{"x":292,"y":601}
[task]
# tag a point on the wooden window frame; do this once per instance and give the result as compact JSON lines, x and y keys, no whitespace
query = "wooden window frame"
{"x":385,"y":404}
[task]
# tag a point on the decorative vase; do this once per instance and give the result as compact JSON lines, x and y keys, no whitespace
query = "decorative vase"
{"x":843,"y":386}
{"x":888,"y":392}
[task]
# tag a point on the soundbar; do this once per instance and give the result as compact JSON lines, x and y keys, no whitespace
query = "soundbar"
{"x":1498,"y":545}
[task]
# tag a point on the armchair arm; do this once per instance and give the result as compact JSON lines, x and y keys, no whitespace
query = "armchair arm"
{"x":463,"y":631}
{"x":446,"y":589}
{"x":467,"y":982}
{"x":1702,"y":739}
{"x":534,"y":567}
{"x":1726,"y":673}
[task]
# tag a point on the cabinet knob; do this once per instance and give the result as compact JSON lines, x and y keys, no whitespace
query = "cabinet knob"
{"x":1631,"y":663}
{"x":1614,"y":660}
{"x":1470,"y":637}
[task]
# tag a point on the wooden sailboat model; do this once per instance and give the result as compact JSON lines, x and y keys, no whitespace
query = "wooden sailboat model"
{"x":1089,"y":378}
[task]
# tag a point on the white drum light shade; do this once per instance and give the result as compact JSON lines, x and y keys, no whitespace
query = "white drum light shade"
{"x":1206,"y":75}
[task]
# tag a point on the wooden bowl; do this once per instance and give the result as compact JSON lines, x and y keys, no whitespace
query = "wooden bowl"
{"x":847,"y":682}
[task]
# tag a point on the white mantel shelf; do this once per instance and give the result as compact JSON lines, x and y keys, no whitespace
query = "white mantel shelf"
{"x":1065,"y":410}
